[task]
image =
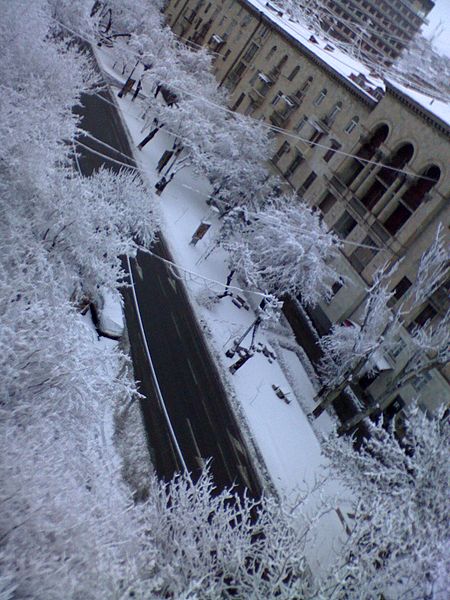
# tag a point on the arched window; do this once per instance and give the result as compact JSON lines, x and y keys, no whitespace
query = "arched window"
{"x":320,"y":98}
{"x":399,"y":159}
{"x":282,"y":62}
{"x":334,"y":112}
{"x":412,"y":199}
{"x":307,"y":84}
{"x":351,"y":124}
{"x":271,"y":52}
{"x":387,"y":175}
{"x":293,"y":73}
{"x":366,"y":152}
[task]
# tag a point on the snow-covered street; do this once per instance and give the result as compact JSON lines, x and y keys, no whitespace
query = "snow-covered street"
{"x":285,"y":439}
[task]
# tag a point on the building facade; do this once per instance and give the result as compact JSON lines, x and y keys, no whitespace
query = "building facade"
{"x":381,"y":28}
{"x":370,"y":156}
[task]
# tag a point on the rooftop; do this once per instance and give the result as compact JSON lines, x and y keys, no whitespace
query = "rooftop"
{"x":354,"y":71}
{"x":435,"y":108}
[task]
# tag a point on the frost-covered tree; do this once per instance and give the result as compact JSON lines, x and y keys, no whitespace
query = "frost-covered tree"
{"x":348,"y":350}
{"x":398,"y":545}
{"x":285,"y":249}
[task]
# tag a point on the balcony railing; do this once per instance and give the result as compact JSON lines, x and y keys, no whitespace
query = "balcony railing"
{"x":358,"y":206}
{"x":338,"y":185}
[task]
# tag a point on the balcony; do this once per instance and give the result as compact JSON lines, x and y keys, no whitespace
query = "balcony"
{"x":358,"y":206}
{"x":200,"y":35}
{"x":256,"y":97}
{"x":338,"y":185}
{"x":190,"y":15}
{"x":279,"y":119}
{"x":274,"y":73}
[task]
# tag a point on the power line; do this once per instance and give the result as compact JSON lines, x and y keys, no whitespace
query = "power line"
{"x":285,"y":132}
{"x":216,"y":200}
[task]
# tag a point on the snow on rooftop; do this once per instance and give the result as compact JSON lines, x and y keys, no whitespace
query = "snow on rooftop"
{"x":345,"y":65}
{"x":438,"y":108}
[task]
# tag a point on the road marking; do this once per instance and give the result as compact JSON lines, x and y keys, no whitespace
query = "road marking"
{"x":244,"y":474}
{"x":200,"y":460}
{"x":192,"y":371}
{"x":173,"y":283}
{"x":161,"y":285}
{"x":236,"y":443}
{"x":153,"y":372}
{"x":139,"y":269}
{"x":172,"y":316}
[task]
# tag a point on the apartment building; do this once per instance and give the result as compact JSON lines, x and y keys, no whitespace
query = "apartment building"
{"x":380,"y":28}
{"x":371,"y":155}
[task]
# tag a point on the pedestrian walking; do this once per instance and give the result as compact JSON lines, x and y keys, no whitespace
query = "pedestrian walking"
{"x":162,"y":183}
{"x":151,"y":134}
{"x":137,"y":90}
{"x":127,"y":87}
{"x":167,"y":155}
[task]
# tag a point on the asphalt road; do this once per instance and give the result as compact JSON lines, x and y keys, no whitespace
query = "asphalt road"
{"x":193,"y":394}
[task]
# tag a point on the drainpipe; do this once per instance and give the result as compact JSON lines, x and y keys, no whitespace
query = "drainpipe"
{"x":238,"y":57}
{"x":179,"y":14}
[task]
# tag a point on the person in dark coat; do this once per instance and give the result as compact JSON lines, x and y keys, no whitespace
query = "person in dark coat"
{"x":162,"y":183}
{"x":137,"y":90}
{"x":167,"y":155}
{"x":152,"y":134}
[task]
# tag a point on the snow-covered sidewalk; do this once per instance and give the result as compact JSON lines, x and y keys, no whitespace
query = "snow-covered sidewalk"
{"x":285,"y":439}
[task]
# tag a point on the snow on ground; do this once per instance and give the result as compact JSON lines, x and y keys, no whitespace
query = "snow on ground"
{"x":281,"y":431}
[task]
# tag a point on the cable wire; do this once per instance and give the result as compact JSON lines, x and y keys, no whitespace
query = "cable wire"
{"x":285,"y":132}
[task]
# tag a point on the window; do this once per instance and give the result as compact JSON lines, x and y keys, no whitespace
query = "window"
{"x":246,"y":20}
{"x":337,"y":285}
{"x":282,"y":62}
{"x":400,"y":289}
{"x":301,"y":124}
{"x":321,"y":97}
{"x":327,"y":203}
{"x":334,"y":145}
{"x":298,"y":159}
{"x":344,"y":225}
{"x":334,"y":112}
{"x":250,"y":108}
{"x":425,"y":315}
{"x":238,"y":102}
{"x":308,"y":182}
{"x":351,"y":125}
{"x":396,"y":349}
{"x":277,"y":98}
{"x":207,"y":7}
{"x":251,"y":51}
{"x":293,"y":73}
{"x":362,"y":256}
{"x":316,"y":137}
{"x":307,"y":84}
{"x":421,"y":380}
{"x":271,"y":52}
{"x":281,"y":150}
{"x":412,"y":199}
